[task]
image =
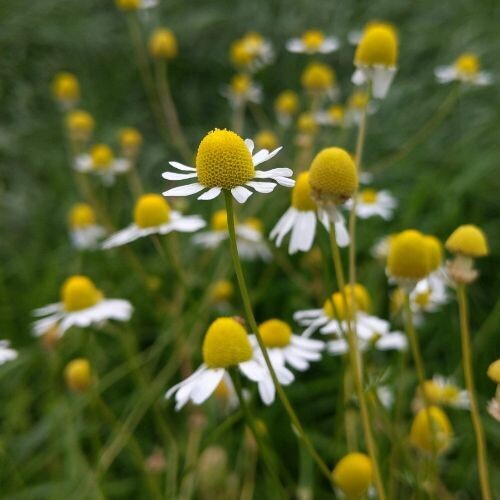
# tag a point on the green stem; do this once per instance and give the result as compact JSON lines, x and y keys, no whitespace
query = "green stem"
{"x":255,"y":330}
{"x":482,"y":460}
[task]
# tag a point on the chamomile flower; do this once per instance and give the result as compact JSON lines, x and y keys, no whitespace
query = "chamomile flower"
{"x":66,"y":89}
{"x":443,"y":391}
{"x":130,"y":142}
{"x":242,"y":90}
{"x":251,"y":52}
{"x":313,"y":42}
{"x":301,"y":220}
{"x":429,"y":295}
{"x":375,"y":59}
{"x":332,"y":116}
{"x":163,"y":44}
{"x":372,"y":203}
{"x":80,"y":125}
{"x":249,"y":238}
{"x":85,"y":233}
{"x":357,"y":104}
{"x":284,"y":348}
{"x":355,"y":36}
{"x":319,"y":80}
{"x":226,"y":345}
{"x":152,"y":215}
{"x":286,"y":107}
{"x":6,"y":352}
{"x":101,"y":161}
{"x":82,"y":305}
{"x":225,"y":161}
{"x":466,"y":69}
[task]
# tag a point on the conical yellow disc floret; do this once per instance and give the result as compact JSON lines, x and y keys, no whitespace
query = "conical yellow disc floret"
{"x":334,"y":307}
{"x":317,"y":77}
{"x":218,"y":222}
{"x":223,"y":160}
{"x":333,"y":173}
{"x":336,"y":113}
{"x":163,"y":44}
{"x":467,"y":64}
{"x":266,"y":139}
{"x":79,"y":292}
{"x":378,"y":47}
{"x":468,"y":240}
{"x":313,"y":39}
{"x":101,"y":156}
{"x":435,"y":252}
{"x":408,"y":256}
{"x":226,"y":344}
{"x":494,"y":371}
{"x":81,"y":215}
{"x":275,"y":333}
{"x":65,"y":87}
{"x":353,"y":474}
{"x":79,"y":123}
{"x":287,"y":102}
{"x":78,"y":375}
{"x":301,"y":194}
{"x":151,"y":210}
{"x":358,"y":99}
{"x":361,"y":295}
{"x":239,"y":54}
{"x":425,"y":437}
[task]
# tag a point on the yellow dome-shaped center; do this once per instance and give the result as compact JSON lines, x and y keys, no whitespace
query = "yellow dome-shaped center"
{"x":81,"y":215}
{"x":275,"y":333}
{"x":441,"y":394}
{"x":239,"y":54}
{"x":318,"y":77}
{"x":378,"y":47}
{"x":431,"y":428}
{"x":163,"y":44}
{"x":79,"y":121}
{"x":306,"y":124}
{"x":359,"y":100}
{"x":66,"y":87}
{"x":222,"y":291}
{"x":151,"y":210}
{"x":336,"y":303}
{"x":334,"y":307}
{"x":287,"y":102}
{"x":130,"y":138}
{"x":408,"y":256}
{"x":78,"y":374}
{"x":435,"y":250}
{"x":467,"y":64}
{"x":353,"y":474}
{"x":336,"y":113}
{"x":218,"y":222}
{"x":101,"y":156}
{"x":313,"y":39}
{"x":301,"y":194}
{"x":468,"y":240}
{"x":224,"y":160}
{"x":226,"y":344}
{"x":368,"y":196}
{"x":333,"y":172}
{"x":79,"y":292}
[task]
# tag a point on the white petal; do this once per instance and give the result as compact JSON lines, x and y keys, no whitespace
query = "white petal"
{"x":250,"y":145}
{"x":187,"y":224}
{"x":181,"y":166}
{"x":187,"y":380}
{"x":206,"y":385}
{"x":252,"y":370}
{"x":241,"y":194}
{"x":262,"y":187}
{"x":295,"y":45}
{"x":303,"y":232}
{"x":174,"y":176}
{"x":210,"y":194}
{"x":359,"y":77}
{"x":283,"y":225}
{"x":396,"y":340}
{"x":339,"y":346}
{"x":273,"y":173}
{"x":186,"y":190}
{"x":342,"y":234}
{"x":127,"y":235}
{"x":297,"y":362}
{"x":267,"y":391}
{"x":382,"y":78}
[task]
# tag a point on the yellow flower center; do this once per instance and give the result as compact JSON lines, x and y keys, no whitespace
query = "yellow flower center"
{"x":358,"y":100}
{"x":128,"y":4}
{"x":425,"y":437}
{"x":408,"y":256}
{"x":223,"y":160}
{"x":78,"y":375}
{"x":253,"y":42}
{"x":66,"y":87}
{"x":81,"y":215}
{"x":80,"y":122}
{"x":240,"y":84}
{"x":353,"y":474}
{"x":79,"y":292}
{"x":468,"y":240}
{"x":101,"y":156}
{"x":334,"y":307}
{"x":336,"y":113}
{"x":163,"y":44}
{"x":437,"y":394}
{"x":333,"y":173}
{"x":318,"y":77}
{"x":239,"y":54}
{"x":467,"y":64}
{"x":151,"y":210}
{"x":379,"y":46}
{"x":222,"y":291}
{"x":218,"y":221}
{"x":307,"y":124}
{"x":435,"y":250}
{"x":287,"y":102}
{"x":422,"y":298}
{"x":301,"y":194}
{"x":275,"y":333}
{"x":226,"y":344}
{"x":266,"y":139}
{"x":130,"y":139}
{"x":313,"y":39}
{"x":368,"y":196}
{"x":255,"y":224}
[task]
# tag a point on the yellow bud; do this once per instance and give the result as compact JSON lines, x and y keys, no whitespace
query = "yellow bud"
{"x":130,"y":141}
{"x":468,"y":240}
{"x":306,"y":124}
{"x":425,"y":437}
{"x":102,"y":156}
{"x":494,"y":371}
{"x":78,"y":375}
{"x":468,"y":64}
{"x":266,"y":139}
{"x":287,"y":102}
{"x":81,"y":215}
{"x":408,"y":256}
{"x":80,"y":124}
{"x":218,"y":222}
{"x":353,"y":474}
{"x":151,"y":210}
{"x":275,"y":333}
{"x":222,"y":291}
{"x":163,"y":44}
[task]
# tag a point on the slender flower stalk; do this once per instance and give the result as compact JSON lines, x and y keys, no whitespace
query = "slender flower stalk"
{"x":482,"y":460}
{"x":356,"y":367}
{"x":254,"y":328}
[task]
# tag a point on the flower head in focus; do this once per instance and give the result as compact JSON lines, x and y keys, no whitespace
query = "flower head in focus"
{"x":251,"y":52}
{"x":82,"y":304}
{"x":313,"y":42}
{"x":66,"y":89}
{"x":6,"y":352}
{"x":85,"y":232}
{"x":225,"y":161}
{"x":466,"y":69}
{"x":241,"y":90}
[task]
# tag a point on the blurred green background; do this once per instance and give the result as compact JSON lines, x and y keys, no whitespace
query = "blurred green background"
{"x":449,"y":179}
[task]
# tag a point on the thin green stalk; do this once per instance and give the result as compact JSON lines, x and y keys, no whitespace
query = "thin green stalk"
{"x":238,"y":120}
{"x":482,"y":461}
{"x":253,"y":326}
{"x":357,"y":367}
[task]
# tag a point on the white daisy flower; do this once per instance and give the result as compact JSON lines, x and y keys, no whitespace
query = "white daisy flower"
{"x":430,"y":294}
{"x":286,"y":106}
{"x":441,"y":390}
{"x":225,"y":161}
{"x":242,"y":90}
{"x":375,"y":59}
{"x":152,"y":215}
{"x":284,"y":348}
{"x":82,"y":305}
{"x":251,"y":52}
{"x":226,"y":345}
{"x":249,"y":238}
{"x":313,"y":42}
{"x":101,"y":161}
{"x":371,"y":203}
{"x":300,"y":219}
{"x":333,"y":116}
{"x":390,"y":341}
{"x":466,"y":69}
{"x":6,"y":352}
{"x":85,"y":233}
{"x":319,"y":81}
{"x":130,"y":5}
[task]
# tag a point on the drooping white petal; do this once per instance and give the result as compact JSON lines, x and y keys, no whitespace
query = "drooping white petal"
{"x":336,"y":347}
{"x":283,"y":226}
{"x":122,"y":237}
{"x":186,"y":190}
{"x":250,"y":145}
{"x":252,"y":370}
{"x":395,"y":340}
{"x":262,"y":187}
{"x":342,"y":234}
{"x":303,"y":232}
{"x":210,"y":194}
{"x":241,"y":194}
{"x":181,"y":166}
{"x":359,"y":77}
{"x":295,"y":45}
{"x":187,"y":224}
{"x":206,"y":385}
{"x":267,"y":391}
{"x":187,"y":380}
{"x":382,"y":77}
{"x":174,"y":176}
{"x":273,"y":173}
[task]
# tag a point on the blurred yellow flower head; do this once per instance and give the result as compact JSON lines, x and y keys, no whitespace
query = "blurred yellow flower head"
{"x":79,"y":292}
{"x":467,"y":64}
{"x":240,"y":83}
{"x":378,"y":47}
{"x":266,"y":139}
{"x":218,"y":222}
{"x":287,"y":103}
{"x":313,"y":39}
{"x":353,"y":474}
{"x":130,"y":141}
{"x":306,"y":124}
{"x":128,"y":5}
{"x":318,"y":77}
{"x":78,"y":375}
{"x":80,"y":125}
{"x":66,"y":88}
{"x":468,"y":240}
{"x":151,"y":210}
{"x":102,"y":156}
{"x":494,"y":371}
{"x":223,"y":290}
{"x":81,"y":215}
{"x":275,"y":333}
{"x":163,"y":44}
{"x":431,"y":429}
